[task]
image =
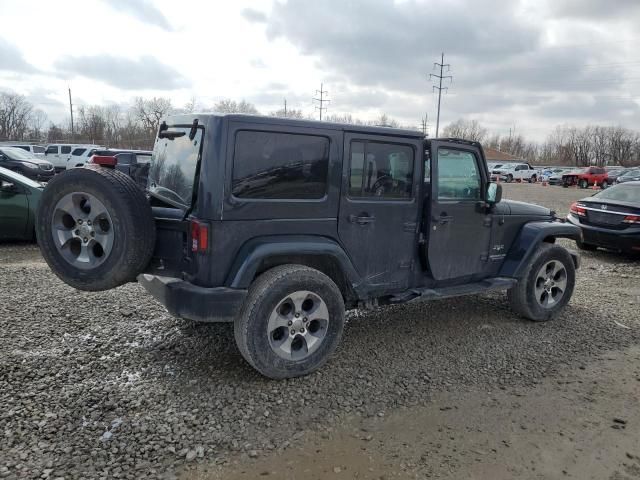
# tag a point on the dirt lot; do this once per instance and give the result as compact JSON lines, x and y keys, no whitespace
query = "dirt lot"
{"x":109,"y":385}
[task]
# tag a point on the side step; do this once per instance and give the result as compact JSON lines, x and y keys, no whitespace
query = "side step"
{"x":424,"y":294}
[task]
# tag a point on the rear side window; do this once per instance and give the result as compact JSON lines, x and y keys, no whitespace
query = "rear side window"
{"x":52,"y":149}
{"x":65,"y":149}
{"x":271,"y":165}
{"x":37,"y":149}
{"x":383,"y":170}
{"x":78,"y":151}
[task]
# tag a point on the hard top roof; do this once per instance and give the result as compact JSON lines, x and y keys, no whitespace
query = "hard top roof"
{"x":293,"y":122}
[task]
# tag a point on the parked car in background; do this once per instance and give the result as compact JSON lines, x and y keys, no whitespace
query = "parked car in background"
{"x":27,"y":164}
{"x":58,"y":153}
{"x":614,"y":173}
{"x":515,"y":171}
{"x":135,"y":163}
{"x":586,"y":177}
{"x":554,"y":175}
{"x":37,"y":150}
{"x":610,"y":218}
{"x":81,"y":155}
{"x":19,"y":198}
{"x":632,"y":175}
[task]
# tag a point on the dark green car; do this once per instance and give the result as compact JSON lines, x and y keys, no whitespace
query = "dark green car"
{"x":19,"y":197}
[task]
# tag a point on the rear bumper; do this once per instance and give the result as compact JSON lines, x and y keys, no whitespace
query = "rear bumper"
{"x":624,"y":240}
{"x":186,"y":300}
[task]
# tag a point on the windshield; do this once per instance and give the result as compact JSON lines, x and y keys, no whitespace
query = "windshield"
{"x":173,"y":166}
{"x":17,"y":154}
{"x":621,"y":193}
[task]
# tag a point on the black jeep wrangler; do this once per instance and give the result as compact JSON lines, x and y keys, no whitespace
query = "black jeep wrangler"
{"x":281,"y":225}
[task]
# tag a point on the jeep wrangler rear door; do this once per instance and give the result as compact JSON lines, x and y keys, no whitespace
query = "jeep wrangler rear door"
{"x":459,"y":226}
{"x":378,"y":208}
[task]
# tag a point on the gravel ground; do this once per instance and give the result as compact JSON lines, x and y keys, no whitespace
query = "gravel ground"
{"x":109,"y":385}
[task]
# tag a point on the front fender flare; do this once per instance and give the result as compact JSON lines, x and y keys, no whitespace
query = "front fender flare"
{"x":253,"y":253}
{"x":526,"y":243}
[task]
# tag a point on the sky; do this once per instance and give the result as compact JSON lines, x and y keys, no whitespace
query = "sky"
{"x":524,"y":65}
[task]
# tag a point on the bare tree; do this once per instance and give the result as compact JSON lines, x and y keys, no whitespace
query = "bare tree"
{"x":467,"y":129}
{"x":150,"y":111}
{"x":15,"y":116}
{"x":290,"y":113}
{"x":231,"y":106}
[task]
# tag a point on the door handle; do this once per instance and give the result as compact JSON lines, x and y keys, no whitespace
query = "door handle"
{"x":361,"y":219}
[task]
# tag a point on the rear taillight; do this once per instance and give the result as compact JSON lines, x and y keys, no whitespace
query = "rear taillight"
{"x":577,"y":209}
{"x":199,"y":236}
{"x":634,"y":219}
{"x":104,"y":160}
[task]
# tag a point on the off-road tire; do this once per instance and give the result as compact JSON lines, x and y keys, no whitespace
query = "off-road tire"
{"x":533,"y":179}
{"x":521,"y":296}
{"x":583,"y":184}
{"x":133,"y":227}
{"x":509,"y":178}
{"x":251,"y":325}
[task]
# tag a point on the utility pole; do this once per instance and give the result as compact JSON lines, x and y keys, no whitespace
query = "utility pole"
{"x":440,"y":87}
{"x":71,"y":112}
{"x":322,"y":100}
{"x":425,"y":125}
{"x":285,"y":107}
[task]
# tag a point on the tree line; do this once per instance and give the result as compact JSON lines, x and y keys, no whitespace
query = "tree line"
{"x":565,"y":145}
{"x":136,"y":127}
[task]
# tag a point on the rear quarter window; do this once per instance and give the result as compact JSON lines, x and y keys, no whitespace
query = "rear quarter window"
{"x":274,"y":165}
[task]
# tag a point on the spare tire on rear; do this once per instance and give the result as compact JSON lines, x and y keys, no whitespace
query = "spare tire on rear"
{"x":95,"y":228}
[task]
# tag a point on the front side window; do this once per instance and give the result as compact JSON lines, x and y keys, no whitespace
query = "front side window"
{"x":272,"y":165}
{"x":458,"y":175}
{"x":52,"y":149}
{"x":383,"y":170}
{"x":78,"y":151}
{"x":66,"y":149}
{"x":37,"y":149}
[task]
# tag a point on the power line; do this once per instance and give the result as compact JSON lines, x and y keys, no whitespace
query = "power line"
{"x":322,"y":100}
{"x":440,"y":87}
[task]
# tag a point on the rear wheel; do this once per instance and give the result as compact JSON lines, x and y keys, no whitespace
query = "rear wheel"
{"x":546,"y":286}
{"x":533,"y":179}
{"x":509,"y":178}
{"x":95,"y":228}
{"x":583,"y":183}
{"x":291,"y":321}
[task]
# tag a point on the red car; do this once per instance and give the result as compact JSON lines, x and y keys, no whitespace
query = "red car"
{"x":586,"y":177}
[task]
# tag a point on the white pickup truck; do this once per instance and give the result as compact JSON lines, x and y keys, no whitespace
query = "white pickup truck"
{"x":508,"y":172}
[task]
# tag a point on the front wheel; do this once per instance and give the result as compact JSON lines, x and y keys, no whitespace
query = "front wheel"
{"x":583,"y":184}
{"x":509,"y":178}
{"x":291,"y":322}
{"x":546,"y":286}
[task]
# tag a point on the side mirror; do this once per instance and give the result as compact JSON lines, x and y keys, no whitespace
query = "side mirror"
{"x":494,"y":193}
{"x":6,"y":186}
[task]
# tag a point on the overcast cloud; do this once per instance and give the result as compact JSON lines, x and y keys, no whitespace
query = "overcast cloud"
{"x":529,"y":63}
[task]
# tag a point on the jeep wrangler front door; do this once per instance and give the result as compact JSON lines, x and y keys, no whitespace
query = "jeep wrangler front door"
{"x":378,"y":208}
{"x":459,"y":226}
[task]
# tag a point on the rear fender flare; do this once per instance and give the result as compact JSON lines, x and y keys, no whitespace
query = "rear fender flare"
{"x":527,"y":242}
{"x":268,"y":251}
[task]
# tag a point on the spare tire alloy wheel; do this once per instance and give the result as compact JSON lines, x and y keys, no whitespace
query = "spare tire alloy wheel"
{"x":95,"y":228}
{"x":82,"y":230}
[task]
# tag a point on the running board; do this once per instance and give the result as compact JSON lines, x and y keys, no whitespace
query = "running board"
{"x":498,"y":283}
